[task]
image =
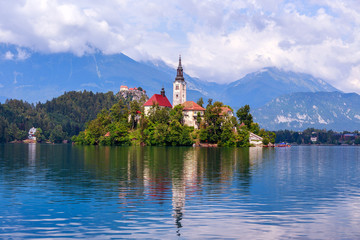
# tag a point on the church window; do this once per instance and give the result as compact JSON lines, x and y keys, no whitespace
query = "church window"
{"x":177,"y":96}
{"x":177,"y":87}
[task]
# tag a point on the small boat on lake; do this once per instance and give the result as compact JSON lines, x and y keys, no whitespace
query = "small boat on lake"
{"x":282,"y":145}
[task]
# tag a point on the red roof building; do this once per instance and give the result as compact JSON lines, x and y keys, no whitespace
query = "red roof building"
{"x":225,"y":111}
{"x":192,"y":106}
{"x":162,"y":101}
{"x":157,"y":99}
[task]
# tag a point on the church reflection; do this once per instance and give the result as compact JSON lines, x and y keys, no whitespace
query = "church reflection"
{"x":180,"y":173}
{"x":171,"y":176}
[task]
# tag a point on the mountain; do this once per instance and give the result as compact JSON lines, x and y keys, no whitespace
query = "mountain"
{"x":34,"y":77}
{"x":322,"y":110}
{"x":40,"y":77}
{"x":258,"y":88}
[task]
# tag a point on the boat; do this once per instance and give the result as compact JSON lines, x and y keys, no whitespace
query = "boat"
{"x":282,"y":145}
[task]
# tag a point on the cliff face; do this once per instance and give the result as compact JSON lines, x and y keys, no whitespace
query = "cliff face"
{"x":131,"y":95}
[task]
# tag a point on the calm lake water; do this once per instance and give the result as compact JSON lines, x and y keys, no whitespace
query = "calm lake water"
{"x":64,"y":191}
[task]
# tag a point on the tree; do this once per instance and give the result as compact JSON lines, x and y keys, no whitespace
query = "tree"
{"x":177,"y":114}
{"x":39,"y":135}
{"x":200,"y":102}
{"x":57,"y":135}
{"x":134,"y":112}
{"x":244,"y":116}
{"x":213,"y":121}
{"x":228,"y":138}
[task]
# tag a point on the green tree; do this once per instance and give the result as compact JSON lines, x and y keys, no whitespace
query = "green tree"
{"x":200,"y":102}
{"x":228,"y":138}
{"x":177,"y":114}
{"x":39,"y":135}
{"x":57,"y":135}
{"x":134,"y":112}
{"x":244,"y":116}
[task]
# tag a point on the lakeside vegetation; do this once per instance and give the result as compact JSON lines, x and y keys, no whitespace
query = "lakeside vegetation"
{"x":108,"y":119}
{"x":125,"y":125}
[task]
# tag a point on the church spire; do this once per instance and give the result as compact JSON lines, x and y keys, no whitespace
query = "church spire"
{"x":179,"y":75}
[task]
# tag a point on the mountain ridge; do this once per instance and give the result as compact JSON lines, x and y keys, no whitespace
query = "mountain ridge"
{"x":322,"y":110}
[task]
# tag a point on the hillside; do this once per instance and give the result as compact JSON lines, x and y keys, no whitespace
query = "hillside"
{"x":321,"y":110}
{"x":64,"y":116}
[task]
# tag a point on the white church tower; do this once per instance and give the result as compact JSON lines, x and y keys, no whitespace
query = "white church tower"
{"x":179,"y":86}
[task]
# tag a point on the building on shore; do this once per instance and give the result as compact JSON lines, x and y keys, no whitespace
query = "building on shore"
{"x":31,"y":134}
{"x":255,"y":140}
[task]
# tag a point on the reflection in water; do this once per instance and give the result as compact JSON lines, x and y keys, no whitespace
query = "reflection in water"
{"x":256,"y":155}
{"x":31,"y":154}
{"x":64,"y":191}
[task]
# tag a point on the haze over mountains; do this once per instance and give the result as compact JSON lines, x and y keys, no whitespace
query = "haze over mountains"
{"x":43,"y":76}
{"x":40,"y":77}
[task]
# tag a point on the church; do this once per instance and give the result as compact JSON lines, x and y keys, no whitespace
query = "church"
{"x":190,"y":108}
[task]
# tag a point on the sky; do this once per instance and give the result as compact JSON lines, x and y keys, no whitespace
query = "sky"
{"x":219,"y":40}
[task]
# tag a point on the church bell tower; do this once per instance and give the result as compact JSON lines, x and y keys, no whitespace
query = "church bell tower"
{"x":179,"y":86}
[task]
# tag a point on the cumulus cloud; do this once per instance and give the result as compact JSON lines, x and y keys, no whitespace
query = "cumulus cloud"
{"x":219,"y":40}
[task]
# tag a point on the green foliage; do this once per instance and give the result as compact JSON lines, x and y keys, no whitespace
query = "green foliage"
{"x":228,"y":138}
{"x":109,"y":128}
{"x":159,"y":115}
{"x":176,"y":114}
{"x":57,"y":135}
{"x":213,"y":121}
{"x":244,"y":116}
{"x":39,"y":135}
{"x":242,"y":138}
{"x":265,"y":141}
{"x":71,"y":111}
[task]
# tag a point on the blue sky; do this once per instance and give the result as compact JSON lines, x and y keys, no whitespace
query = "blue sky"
{"x":220,"y":40}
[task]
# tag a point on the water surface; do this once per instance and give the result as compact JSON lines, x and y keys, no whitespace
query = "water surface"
{"x":89,"y":192}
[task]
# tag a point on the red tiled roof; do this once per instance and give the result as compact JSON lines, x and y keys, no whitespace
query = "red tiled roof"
{"x":192,"y":106}
{"x":224,"y":111}
{"x":122,"y":86}
{"x":158,"y":99}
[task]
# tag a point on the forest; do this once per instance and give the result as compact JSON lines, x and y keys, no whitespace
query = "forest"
{"x":56,"y":120}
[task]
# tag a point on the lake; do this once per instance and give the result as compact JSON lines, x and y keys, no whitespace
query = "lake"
{"x":92,"y":192}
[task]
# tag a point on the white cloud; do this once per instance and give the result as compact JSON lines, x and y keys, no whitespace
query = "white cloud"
{"x":219,"y":40}
{"x":9,"y":55}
